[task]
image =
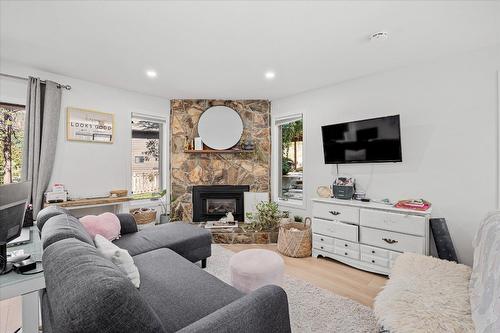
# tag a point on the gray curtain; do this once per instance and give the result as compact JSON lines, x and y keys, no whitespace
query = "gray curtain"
{"x":43,"y":107}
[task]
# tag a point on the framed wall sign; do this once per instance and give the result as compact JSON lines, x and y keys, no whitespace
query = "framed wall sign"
{"x":89,"y":126}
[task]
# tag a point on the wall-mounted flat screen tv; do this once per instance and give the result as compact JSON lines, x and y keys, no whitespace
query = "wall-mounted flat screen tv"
{"x":374,"y":140}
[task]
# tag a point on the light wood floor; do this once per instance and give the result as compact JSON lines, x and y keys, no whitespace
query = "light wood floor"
{"x":328,"y":274}
{"x":324,"y":273}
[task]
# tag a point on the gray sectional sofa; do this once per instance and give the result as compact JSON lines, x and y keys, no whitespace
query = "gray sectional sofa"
{"x":87,"y":293}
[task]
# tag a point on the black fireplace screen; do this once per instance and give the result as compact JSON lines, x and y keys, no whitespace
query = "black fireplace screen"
{"x":212,"y":202}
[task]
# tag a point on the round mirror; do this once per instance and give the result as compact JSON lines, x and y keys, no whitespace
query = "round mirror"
{"x":220,"y":127}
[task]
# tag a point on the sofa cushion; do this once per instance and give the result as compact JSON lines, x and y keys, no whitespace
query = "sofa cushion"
{"x":45,"y":214}
{"x":179,"y":291}
{"x":127,"y":223}
{"x":485,"y":278}
{"x":192,"y":242}
{"x":119,"y":257}
{"x":88,"y":293}
{"x":61,"y":227}
{"x":106,"y":224}
{"x":425,"y":294}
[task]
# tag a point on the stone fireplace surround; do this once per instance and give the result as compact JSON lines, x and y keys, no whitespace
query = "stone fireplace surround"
{"x":194,"y":169}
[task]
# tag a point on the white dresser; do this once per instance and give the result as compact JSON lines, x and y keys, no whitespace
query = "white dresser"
{"x":367,"y":236}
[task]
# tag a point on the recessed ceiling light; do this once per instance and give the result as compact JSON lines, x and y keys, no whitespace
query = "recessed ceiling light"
{"x":379,"y":36}
{"x":151,"y":73}
{"x":270,"y":75}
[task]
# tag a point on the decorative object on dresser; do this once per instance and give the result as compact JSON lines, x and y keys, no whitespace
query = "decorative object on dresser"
{"x":343,"y":188}
{"x":324,"y":191}
{"x":295,"y":239}
{"x":368,"y":236}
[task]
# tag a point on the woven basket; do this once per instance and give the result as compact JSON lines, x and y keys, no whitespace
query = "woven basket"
{"x":298,"y":243}
{"x":143,"y":215}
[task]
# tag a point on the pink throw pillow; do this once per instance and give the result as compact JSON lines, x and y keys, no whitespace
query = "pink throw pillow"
{"x":106,"y":225}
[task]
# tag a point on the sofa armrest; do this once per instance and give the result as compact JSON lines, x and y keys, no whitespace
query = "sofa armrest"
{"x":262,"y":311}
{"x":49,"y":212}
{"x":127,"y":223}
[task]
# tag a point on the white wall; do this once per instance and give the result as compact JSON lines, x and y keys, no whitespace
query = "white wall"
{"x":90,"y":168}
{"x":449,"y":117}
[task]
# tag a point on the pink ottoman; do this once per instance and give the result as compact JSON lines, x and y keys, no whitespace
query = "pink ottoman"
{"x":252,"y":269}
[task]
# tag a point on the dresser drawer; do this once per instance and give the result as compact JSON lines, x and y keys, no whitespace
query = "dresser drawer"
{"x":335,"y":229}
{"x":321,"y":239}
{"x":392,"y":240}
{"x":340,"y":243}
{"x":374,"y":260}
{"x":408,"y":224}
{"x":374,"y":251}
{"x":347,"y":253}
{"x":324,"y":247}
{"x":336,"y":212}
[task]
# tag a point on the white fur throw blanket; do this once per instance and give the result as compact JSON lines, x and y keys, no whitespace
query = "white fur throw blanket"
{"x":485,"y":278}
{"x":425,"y":294}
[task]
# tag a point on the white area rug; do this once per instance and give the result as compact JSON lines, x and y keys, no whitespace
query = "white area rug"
{"x":312,"y":309}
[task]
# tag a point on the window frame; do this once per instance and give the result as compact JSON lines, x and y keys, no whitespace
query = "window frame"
{"x":162,"y":148}
{"x":278,"y":121}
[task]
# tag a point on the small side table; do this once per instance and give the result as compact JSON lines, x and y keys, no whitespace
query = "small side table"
{"x":26,"y":286}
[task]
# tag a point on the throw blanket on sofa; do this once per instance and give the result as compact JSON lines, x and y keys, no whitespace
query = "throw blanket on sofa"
{"x":485,"y":279}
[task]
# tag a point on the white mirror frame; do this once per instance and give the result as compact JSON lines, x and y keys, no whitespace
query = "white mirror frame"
{"x":220,"y":127}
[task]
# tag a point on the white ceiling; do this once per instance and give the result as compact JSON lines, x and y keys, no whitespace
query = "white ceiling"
{"x":221,"y":49}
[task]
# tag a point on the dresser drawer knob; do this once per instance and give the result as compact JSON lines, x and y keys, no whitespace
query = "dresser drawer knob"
{"x":346,"y":245}
{"x":373,"y":251}
{"x":322,"y":239}
{"x":390,"y":241}
{"x":346,"y":253}
{"x":335,"y":213}
{"x":322,"y":247}
{"x":373,"y":261}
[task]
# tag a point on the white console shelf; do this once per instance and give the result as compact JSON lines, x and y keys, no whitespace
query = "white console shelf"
{"x":367,"y":235}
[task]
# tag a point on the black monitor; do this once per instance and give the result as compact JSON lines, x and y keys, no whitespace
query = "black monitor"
{"x":13,"y":201}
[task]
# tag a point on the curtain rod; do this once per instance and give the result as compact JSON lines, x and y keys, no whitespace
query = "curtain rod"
{"x":65,"y":86}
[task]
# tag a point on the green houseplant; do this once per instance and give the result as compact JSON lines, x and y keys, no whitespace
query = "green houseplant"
{"x":266,"y":218}
{"x":161,"y":198}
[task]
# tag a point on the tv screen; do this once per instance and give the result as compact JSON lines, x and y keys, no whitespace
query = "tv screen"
{"x":365,"y":141}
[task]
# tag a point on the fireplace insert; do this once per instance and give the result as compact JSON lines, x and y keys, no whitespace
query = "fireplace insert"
{"x":212,"y":202}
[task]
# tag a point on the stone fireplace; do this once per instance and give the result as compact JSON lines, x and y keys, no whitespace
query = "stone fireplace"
{"x":212,"y":202}
{"x":192,"y":170}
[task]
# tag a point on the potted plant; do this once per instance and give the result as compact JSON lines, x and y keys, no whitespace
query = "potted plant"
{"x":266,"y":218}
{"x":161,"y":198}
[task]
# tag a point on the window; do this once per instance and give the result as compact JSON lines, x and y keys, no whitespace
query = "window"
{"x":290,"y":132}
{"x":147,"y":155}
{"x":11,"y":142}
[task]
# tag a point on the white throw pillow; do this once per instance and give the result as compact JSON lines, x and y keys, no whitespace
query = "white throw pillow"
{"x":119,"y":257}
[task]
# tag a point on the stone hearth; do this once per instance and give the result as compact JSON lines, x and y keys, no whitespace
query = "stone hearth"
{"x":240,"y":236}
